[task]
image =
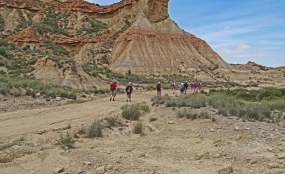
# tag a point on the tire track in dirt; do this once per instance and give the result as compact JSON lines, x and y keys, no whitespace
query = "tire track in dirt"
{"x":26,"y":121}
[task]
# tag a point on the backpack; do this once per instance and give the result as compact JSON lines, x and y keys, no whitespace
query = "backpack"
{"x":113,"y":86}
{"x":158,"y":87}
{"x":129,"y":89}
{"x":182,"y":88}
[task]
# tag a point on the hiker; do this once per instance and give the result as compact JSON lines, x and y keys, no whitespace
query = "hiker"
{"x":158,"y":89}
{"x":199,"y":87}
{"x":185,"y":86}
{"x":113,"y":89}
{"x":181,"y":88}
{"x":191,"y":85}
{"x":173,"y":87}
{"x":129,"y":90}
{"x":195,"y":87}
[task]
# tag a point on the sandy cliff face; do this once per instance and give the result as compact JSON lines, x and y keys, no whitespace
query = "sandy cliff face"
{"x":136,"y":35}
{"x":154,"y":43}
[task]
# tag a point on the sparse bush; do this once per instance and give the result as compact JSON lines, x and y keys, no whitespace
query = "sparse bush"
{"x":66,"y":140}
{"x":94,"y":130}
{"x":186,"y":113}
{"x":138,"y":128}
{"x":194,"y":101}
{"x":275,"y":105}
{"x":4,"y":53}
{"x":204,"y":115}
{"x":112,"y":121}
{"x":32,"y":86}
{"x":241,"y":108}
{"x":96,"y":26}
{"x":158,"y":100}
{"x":150,"y":87}
{"x":257,"y":111}
{"x":144,"y":108}
{"x":131,"y":112}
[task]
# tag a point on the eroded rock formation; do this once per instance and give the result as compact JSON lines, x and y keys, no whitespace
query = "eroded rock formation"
{"x":136,"y":35}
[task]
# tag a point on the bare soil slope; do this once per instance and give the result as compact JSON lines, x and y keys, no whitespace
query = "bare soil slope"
{"x":169,"y":145}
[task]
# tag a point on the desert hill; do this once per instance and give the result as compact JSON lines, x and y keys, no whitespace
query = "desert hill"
{"x":76,"y":43}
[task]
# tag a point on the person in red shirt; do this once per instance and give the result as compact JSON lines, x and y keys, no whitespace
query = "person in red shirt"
{"x":113,"y":89}
{"x":195,"y":87}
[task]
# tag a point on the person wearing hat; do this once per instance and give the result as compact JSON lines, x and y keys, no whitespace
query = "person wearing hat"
{"x":182,"y":88}
{"x":185,"y":86}
{"x":158,"y":89}
{"x":129,"y":90}
{"x":113,"y":89}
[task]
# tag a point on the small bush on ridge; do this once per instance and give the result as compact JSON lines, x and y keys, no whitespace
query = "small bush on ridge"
{"x":94,"y":130}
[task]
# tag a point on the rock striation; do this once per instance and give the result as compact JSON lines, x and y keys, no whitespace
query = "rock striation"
{"x":136,"y":35}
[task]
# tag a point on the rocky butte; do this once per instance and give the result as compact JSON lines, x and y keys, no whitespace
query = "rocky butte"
{"x":135,"y":35}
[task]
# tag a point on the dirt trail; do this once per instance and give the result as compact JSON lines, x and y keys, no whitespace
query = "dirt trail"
{"x":28,"y":121}
{"x":169,"y":145}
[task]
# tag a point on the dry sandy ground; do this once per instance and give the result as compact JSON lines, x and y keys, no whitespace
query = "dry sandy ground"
{"x":169,"y":145}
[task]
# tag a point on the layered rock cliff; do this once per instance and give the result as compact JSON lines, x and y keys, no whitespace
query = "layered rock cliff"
{"x":80,"y":40}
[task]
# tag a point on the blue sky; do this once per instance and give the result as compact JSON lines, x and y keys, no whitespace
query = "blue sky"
{"x":239,"y":31}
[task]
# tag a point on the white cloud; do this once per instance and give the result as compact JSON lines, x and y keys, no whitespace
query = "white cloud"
{"x":252,"y":55}
{"x":243,"y":51}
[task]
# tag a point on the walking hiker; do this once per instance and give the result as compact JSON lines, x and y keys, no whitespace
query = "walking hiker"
{"x":158,"y":89}
{"x":173,"y":87}
{"x":181,"y":88}
{"x":199,"y":87}
{"x":113,"y":89}
{"x":195,"y":87}
{"x":129,"y":90}
{"x":191,"y":85}
{"x":185,"y":86}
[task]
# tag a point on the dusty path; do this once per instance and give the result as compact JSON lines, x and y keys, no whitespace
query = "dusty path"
{"x":169,"y":145}
{"x":29,"y":121}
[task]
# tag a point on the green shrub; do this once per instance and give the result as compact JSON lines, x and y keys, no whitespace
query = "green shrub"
{"x":112,"y":121}
{"x":94,"y":130}
{"x":204,"y":115}
{"x":150,"y":87}
{"x":2,"y":63}
{"x":158,"y":100}
{"x":186,"y":113}
{"x":96,"y":26}
{"x":275,"y":105}
{"x":138,"y":128}
{"x":4,"y":53}
{"x":131,"y":112}
{"x":188,"y":100}
{"x":4,"y":43}
{"x":144,"y":107}
{"x":66,"y":140}
{"x":257,"y":111}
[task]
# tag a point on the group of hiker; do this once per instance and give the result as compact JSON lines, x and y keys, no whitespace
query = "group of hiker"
{"x":128,"y":90}
{"x":183,"y":87}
